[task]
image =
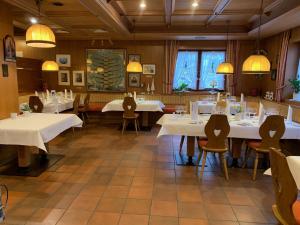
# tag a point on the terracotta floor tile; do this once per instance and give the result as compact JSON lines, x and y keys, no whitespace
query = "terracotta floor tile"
{"x":236,"y":198}
{"x":137,"y":206}
{"x":164,"y":208}
{"x":163,"y":220}
{"x":114,"y":205}
{"x":60,"y":201}
{"x":101,"y":218}
{"x":218,"y":222}
{"x":164,"y":194}
{"x":189,"y":195}
{"x":121,"y":180}
{"x":75,"y":217}
{"x":191,"y":210}
{"x":249,"y":214}
{"x":142,"y":181}
{"x":130,"y":219}
{"x":185,"y":221}
{"x":219,"y":212}
{"x":116,"y":192}
{"x":45,"y":216}
{"x":127,"y":171}
{"x":84,"y":202}
{"x":93,"y":190}
{"x":140,"y":192}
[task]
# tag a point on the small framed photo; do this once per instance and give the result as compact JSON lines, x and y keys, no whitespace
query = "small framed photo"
{"x":4,"y":70}
{"x":9,"y":48}
{"x":134,"y":80}
{"x":134,"y":58}
{"x":63,"y":60}
{"x":149,"y":69}
{"x":64,"y":77}
{"x":78,"y":78}
{"x":273,"y":74}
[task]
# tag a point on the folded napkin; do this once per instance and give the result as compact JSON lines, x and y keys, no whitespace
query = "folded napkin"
{"x":218,"y":96}
{"x":261,"y":109}
{"x":242,"y":97}
{"x":290,"y":114}
{"x":36,"y":93}
{"x":261,"y":116}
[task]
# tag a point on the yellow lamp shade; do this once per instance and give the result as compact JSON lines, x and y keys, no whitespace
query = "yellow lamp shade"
{"x":40,"y":36}
{"x":89,"y":61}
{"x":134,"y":67}
{"x":256,"y":64}
{"x":225,"y":68}
{"x":50,"y":66}
{"x":100,"y":69}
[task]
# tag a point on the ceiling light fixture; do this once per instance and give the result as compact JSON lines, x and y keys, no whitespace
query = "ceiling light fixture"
{"x":134,"y":66}
{"x":225,"y":68}
{"x":257,"y":63}
{"x":33,"y":20}
{"x":143,"y":5}
{"x":195,"y":4}
{"x":40,"y":36}
{"x":49,"y":66}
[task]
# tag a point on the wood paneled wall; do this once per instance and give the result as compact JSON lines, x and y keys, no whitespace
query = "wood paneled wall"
{"x":8,"y":85}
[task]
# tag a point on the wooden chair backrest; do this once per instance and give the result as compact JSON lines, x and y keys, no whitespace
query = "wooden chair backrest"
{"x":284,"y":186}
{"x":252,"y":106}
{"x":87,"y":101}
{"x":129,"y":106}
{"x":35,"y":104}
{"x":275,"y":124}
{"x":221,"y":106}
{"x":217,"y":123}
{"x":76,"y":104}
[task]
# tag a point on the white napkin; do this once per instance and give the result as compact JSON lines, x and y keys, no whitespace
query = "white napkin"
{"x":261,"y":110}
{"x":66,"y":93}
{"x":242,"y":97}
{"x":194,"y":110}
{"x":218,"y":96}
{"x":134,"y":95}
{"x":290,"y":114}
{"x":48,"y":93}
{"x":261,"y":116}
{"x":71,"y":94}
{"x":36,"y":93}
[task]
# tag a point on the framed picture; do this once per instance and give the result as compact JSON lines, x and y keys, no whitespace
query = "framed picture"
{"x":64,"y":77}
{"x":134,"y":80}
{"x":9,"y":47}
{"x":134,"y":58}
{"x":78,"y":78}
{"x":149,"y":69}
{"x":273,"y":74}
{"x":63,"y":60}
{"x":4,"y":70}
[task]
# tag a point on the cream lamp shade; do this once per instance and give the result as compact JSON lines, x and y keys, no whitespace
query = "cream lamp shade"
{"x":225,"y":68}
{"x":100,"y":70}
{"x":256,"y":64}
{"x":134,"y":67}
{"x":49,"y":66}
{"x":40,"y":36}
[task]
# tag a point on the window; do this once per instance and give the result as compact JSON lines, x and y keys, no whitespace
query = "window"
{"x":197,"y":69}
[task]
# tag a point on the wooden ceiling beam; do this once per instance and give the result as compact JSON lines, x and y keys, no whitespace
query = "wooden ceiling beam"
{"x":119,"y":7}
{"x":218,"y":9}
{"x":169,"y":9}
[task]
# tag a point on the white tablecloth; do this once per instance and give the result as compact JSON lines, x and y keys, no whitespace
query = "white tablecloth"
{"x":183,"y":125}
{"x":63,"y":104}
{"x":36,"y":129}
{"x":144,"y":105}
{"x":294,"y":165}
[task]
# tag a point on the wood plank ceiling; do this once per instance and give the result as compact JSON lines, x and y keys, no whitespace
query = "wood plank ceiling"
{"x":160,"y":19}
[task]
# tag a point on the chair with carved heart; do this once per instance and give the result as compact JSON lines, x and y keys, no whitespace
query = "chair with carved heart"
{"x":271,"y":131}
{"x":129,"y":106}
{"x":216,"y":130}
{"x":287,"y":208}
{"x":35,"y":104}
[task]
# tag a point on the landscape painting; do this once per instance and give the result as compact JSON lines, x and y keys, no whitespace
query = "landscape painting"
{"x":106,"y":70}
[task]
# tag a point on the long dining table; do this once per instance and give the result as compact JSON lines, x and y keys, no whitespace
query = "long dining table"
{"x":183,"y":125}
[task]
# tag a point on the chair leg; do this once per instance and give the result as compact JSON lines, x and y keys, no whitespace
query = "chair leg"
{"x":181,"y":144}
{"x":255,"y":166}
{"x":135,"y":125}
{"x":203,"y":164}
{"x":124,"y":126}
{"x":83,"y":119}
{"x":247,"y":153}
{"x":138,"y":125}
{"x":223,"y":159}
{"x":199,"y":156}
{"x":86,"y":115}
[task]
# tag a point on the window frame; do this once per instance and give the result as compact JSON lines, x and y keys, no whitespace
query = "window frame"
{"x":199,"y":51}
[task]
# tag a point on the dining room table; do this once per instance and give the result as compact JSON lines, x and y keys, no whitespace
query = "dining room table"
{"x":57,"y":106}
{"x":34,"y":129}
{"x":142,"y":105}
{"x":246,"y":128}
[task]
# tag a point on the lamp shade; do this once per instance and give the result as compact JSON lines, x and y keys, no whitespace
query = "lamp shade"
{"x":134,"y":67}
{"x":40,"y":36}
{"x":256,"y":64}
{"x":225,"y":68}
{"x":50,"y":66}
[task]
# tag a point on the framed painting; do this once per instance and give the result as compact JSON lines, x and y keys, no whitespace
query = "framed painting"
{"x":64,"y":77}
{"x":149,"y":69}
{"x":134,"y":58}
{"x":134,"y":80}
{"x":78,"y":78}
{"x":106,"y":70}
{"x":63,"y":60}
{"x":9,"y":48}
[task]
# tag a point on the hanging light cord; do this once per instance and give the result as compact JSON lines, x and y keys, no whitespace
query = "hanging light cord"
{"x":259,"y":27}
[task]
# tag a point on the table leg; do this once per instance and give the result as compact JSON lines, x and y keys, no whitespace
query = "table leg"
{"x":24,"y":157}
{"x":145,"y":122}
{"x":190,"y":149}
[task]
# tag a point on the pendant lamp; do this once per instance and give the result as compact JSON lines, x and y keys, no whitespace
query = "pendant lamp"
{"x":257,"y":63}
{"x":49,"y":66}
{"x":134,"y":66}
{"x":225,"y":68}
{"x":39,"y":35}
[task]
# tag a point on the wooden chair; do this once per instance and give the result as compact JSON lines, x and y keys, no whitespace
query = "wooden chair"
{"x":85,"y":108}
{"x":35,"y":104}
{"x":76,"y":104}
{"x":273,"y":123}
{"x":285,"y":189}
{"x":129,"y":107}
{"x":215,"y":143}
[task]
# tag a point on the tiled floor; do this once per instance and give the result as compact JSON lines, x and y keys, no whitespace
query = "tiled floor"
{"x":109,"y":179}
